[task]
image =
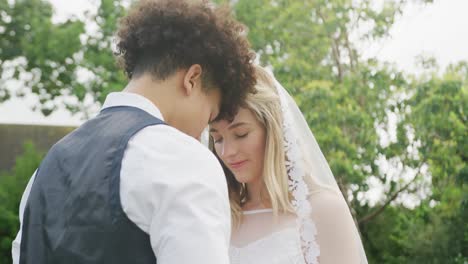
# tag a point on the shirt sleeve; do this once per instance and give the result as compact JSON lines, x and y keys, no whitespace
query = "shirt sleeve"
{"x":174,"y":189}
{"x":15,"y":247}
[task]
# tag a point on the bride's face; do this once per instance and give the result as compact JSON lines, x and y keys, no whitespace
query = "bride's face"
{"x":241,"y":145}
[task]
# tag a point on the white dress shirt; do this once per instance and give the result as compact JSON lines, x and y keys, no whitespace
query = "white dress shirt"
{"x":173,"y":188}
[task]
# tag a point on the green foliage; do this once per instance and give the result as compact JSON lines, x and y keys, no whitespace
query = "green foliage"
{"x":423,"y":235}
{"x":47,"y":51}
{"x":98,"y":55}
{"x":50,"y":59}
{"x":12,"y":185}
{"x":435,"y":231}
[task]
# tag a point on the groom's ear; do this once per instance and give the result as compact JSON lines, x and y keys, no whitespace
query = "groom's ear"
{"x":192,"y":78}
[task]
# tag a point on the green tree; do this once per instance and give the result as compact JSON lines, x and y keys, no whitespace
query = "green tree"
{"x":59,"y":60}
{"x":439,"y":117}
{"x":42,"y":54}
{"x":98,"y":59}
{"x":436,"y":230}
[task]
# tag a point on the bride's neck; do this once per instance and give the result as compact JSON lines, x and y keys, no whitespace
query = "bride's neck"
{"x":257,"y":196}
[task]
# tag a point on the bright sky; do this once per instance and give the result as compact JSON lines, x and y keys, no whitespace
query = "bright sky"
{"x":439,"y":30}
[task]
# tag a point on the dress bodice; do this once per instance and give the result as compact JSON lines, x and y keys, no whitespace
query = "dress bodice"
{"x":278,"y":245}
{"x":282,"y":247}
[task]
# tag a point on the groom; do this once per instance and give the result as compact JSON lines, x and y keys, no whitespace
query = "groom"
{"x":133,"y":185}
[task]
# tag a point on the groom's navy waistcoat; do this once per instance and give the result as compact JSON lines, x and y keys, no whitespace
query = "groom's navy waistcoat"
{"x":73,"y":214}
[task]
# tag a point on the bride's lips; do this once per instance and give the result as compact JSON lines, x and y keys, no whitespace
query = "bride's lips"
{"x":237,"y":165}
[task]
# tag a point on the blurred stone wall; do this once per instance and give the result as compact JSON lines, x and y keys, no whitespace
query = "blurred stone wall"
{"x":13,"y":136}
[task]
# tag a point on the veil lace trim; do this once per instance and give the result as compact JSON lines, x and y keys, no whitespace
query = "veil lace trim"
{"x":297,"y":184}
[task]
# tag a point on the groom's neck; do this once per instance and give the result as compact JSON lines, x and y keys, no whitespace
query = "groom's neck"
{"x":164,"y":94}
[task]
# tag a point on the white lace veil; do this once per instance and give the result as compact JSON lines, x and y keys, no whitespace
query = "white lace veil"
{"x":308,"y":173}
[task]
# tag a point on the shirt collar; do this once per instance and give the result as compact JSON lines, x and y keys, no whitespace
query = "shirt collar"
{"x":132,"y":99}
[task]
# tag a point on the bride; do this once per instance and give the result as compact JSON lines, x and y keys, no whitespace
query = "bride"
{"x":286,"y":206}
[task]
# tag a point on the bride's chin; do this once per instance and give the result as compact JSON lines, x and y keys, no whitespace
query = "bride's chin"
{"x":241,"y":179}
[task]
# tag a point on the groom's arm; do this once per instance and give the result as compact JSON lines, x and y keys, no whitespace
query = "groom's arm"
{"x":15,"y":247}
{"x":174,"y":189}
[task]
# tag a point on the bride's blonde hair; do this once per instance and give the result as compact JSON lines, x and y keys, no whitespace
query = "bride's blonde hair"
{"x":266,"y":107}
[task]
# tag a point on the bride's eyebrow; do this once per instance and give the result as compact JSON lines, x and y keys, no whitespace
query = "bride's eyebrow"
{"x":232,"y":126}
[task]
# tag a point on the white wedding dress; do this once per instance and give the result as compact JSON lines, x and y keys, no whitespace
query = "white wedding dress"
{"x":262,"y":240}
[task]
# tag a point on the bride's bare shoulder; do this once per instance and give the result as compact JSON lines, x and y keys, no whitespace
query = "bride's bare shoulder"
{"x":328,"y":204}
{"x":336,"y":231}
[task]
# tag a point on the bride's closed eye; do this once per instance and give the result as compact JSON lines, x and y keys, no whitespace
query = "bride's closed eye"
{"x":242,"y":135}
{"x":218,"y":140}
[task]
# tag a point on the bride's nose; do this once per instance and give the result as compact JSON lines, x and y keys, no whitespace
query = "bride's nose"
{"x":229,"y":149}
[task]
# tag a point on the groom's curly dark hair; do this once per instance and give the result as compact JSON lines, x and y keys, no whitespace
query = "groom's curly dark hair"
{"x":163,"y":36}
